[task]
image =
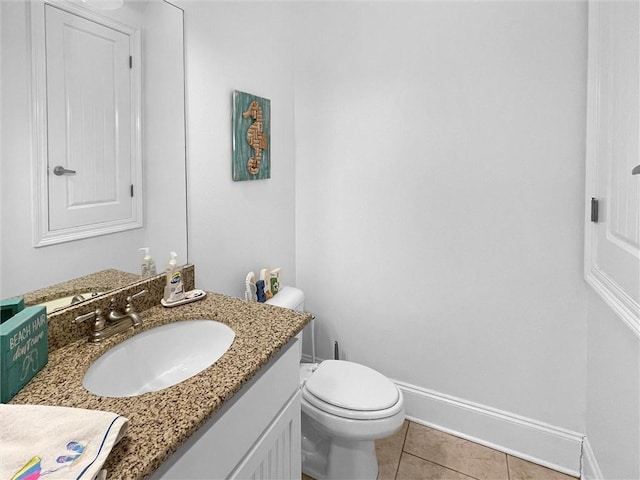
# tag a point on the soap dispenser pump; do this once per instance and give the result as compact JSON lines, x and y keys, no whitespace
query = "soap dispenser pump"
{"x":148,"y":266}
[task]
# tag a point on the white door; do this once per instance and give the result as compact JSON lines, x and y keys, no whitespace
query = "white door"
{"x":89,"y":122}
{"x":613,"y":238}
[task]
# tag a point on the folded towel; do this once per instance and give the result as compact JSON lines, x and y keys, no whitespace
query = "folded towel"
{"x":56,"y":442}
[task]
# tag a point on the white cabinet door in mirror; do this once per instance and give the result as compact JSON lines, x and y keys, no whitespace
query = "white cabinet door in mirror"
{"x":612,"y":236}
{"x":89,"y":121}
{"x":89,"y":173}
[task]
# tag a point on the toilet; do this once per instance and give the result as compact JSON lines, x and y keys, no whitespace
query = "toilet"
{"x":345,"y":407}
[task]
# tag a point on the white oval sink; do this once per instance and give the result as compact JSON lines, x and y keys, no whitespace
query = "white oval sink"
{"x":158,"y":358}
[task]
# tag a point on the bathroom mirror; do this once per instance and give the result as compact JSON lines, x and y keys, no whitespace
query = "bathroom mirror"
{"x":26,"y":268}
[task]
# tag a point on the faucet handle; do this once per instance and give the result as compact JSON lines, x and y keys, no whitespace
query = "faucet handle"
{"x":139,"y":294}
{"x":96,"y":315}
{"x":129,"y":307}
{"x":87,"y":316}
{"x":113,"y":304}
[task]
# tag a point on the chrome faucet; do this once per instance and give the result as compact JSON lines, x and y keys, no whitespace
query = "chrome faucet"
{"x":115,"y":322}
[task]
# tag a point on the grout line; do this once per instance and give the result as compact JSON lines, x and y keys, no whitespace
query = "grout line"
{"x":442,"y":466}
{"x":508,"y":468}
{"x":398,"y":466}
{"x":404,"y":440}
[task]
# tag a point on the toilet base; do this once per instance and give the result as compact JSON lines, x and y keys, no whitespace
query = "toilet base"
{"x":353,"y":460}
{"x":337,"y":458}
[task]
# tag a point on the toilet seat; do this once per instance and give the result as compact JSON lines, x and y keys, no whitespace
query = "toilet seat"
{"x":352,"y":391}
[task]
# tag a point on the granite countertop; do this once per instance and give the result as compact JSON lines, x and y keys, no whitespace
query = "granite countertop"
{"x":161,"y":421}
{"x":105,"y":280}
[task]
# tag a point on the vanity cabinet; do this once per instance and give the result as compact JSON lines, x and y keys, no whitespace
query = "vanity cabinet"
{"x":256,"y":434}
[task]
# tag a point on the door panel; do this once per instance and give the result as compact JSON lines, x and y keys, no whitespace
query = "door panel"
{"x":613,"y":242}
{"x":89,"y":121}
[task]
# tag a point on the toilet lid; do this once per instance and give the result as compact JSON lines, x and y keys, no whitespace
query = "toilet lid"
{"x":352,"y":386}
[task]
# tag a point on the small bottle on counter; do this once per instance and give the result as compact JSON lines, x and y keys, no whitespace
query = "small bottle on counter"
{"x":174,"y":291}
{"x":148,"y":266}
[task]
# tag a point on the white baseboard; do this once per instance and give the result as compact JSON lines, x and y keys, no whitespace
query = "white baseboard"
{"x":590,"y":468}
{"x":522,"y":437}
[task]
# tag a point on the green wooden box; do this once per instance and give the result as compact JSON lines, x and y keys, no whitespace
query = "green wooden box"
{"x":24,"y":349}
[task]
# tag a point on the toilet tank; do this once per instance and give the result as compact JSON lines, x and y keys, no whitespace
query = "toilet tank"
{"x":288,"y":297}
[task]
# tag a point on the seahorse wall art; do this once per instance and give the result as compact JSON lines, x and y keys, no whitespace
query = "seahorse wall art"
{"x":255,"y":136}
{"x":251,"y":131}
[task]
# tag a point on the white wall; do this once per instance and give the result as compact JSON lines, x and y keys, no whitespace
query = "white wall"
{"x":236,"y":227}
{"x":439,"y":185}
{"x":613,"y":393}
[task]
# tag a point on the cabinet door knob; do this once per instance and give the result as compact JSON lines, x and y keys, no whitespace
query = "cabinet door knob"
{"x":636,"y":170}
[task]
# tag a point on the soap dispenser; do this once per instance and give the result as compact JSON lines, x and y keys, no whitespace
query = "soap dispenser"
{"x":174,"y":294}
{"x":148,"y":266}
{"x":174,"y":291}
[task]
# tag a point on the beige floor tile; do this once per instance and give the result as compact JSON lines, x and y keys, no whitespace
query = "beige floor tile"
{"x":415,"y":468}
{"x":456,"y":453}
{"x":522,"y":470}
{"x":388,"y":451}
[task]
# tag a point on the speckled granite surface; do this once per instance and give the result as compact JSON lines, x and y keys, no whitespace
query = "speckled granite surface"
{"x":161,"y":421}
{"x":96,"y":282}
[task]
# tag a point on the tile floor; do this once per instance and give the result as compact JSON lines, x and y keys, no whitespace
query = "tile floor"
{"x":417,"y":452}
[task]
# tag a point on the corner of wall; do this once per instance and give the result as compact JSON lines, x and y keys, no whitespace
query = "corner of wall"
{"x":589,"y":468}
